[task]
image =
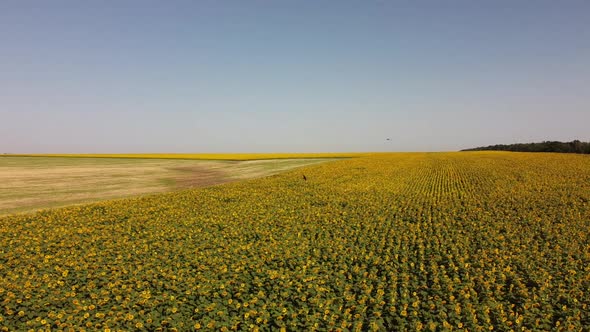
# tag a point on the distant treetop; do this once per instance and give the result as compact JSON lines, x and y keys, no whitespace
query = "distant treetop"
{"x":546,"y":146}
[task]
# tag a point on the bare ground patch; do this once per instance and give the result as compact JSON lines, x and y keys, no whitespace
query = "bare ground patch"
{"x":199,"y":176}
{"x":32,"y":183}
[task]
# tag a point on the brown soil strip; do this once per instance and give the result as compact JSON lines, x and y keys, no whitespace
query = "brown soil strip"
{"x":199,"y":176}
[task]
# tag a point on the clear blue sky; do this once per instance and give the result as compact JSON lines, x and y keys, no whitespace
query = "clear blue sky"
{"x":265,"y":76}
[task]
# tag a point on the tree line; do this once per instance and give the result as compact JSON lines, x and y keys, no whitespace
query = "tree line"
{"x":546,"y":146}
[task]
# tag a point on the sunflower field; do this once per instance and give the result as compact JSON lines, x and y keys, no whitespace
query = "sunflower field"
{"x":477,"y":241}
{"x":205,"y":156}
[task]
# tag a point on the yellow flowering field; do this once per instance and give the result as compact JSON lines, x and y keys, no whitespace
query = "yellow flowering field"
{"x":478,"y":241}
{"x":208,"y":156}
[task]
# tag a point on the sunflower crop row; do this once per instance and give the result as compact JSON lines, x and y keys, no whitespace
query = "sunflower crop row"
{"x":419,"y":242}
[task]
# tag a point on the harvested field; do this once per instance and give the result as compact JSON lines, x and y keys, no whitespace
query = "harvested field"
{"x":31,"y":183}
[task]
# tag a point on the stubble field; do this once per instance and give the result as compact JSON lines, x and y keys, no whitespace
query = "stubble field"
{"x":32,"y":183}
{"x":404,"y":241}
